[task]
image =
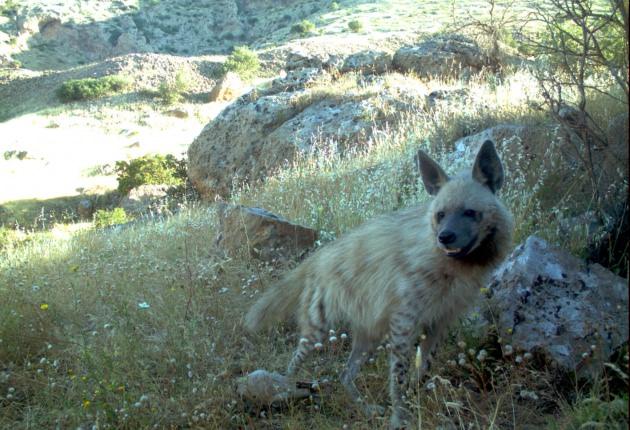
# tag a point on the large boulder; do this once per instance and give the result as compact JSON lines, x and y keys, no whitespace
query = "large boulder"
{"x":261,"y":234}
{"x":516,"y":142}
{"x":545,"y":301}
{"x":442,"y":56}
{"x":369,"y":62}
{"x":251,"y":138}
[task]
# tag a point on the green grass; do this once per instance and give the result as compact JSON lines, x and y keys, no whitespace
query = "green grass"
{"x":92,"y":88}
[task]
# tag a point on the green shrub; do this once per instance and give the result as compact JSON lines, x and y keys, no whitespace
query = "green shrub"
{"x":10,"y":8}
{"x":173,"y":92}
{"x":91,"y":88}
{"x":303,"y":27}
{"x":334,"y":6}
{"x":150,"y":169}
{"x":242,"y":61}
{"x":355,"y":26}
{"x":105,"y":218}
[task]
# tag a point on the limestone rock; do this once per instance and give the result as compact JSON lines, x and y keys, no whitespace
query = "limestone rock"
{"x":514,"y":142}
{"x":227,"y":88}
{"x":249,"y":138}
{"x":262,"y":234}
{"x":551,"y":303}
{"x":369,"y":62}
{"x":441,"y":97}
{"x":444,"y":56}
{"x":299,"y":79}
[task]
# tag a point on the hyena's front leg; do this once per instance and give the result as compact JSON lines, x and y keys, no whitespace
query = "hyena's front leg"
{"x":362,"y":345}
{"x":403,"y":332}
{"x":434,"y":334}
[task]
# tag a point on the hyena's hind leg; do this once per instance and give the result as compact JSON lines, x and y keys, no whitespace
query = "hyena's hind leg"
{"x":362,"y":345}
{"x":313,"y":324}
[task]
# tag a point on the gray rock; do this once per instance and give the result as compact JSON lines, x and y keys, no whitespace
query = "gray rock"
{"x":369,"y":62}
{"x":261,"y":234}
{"x":545,"y":301}
{"x":442,"y":97}
{"x":299,"y":79}
{"x":515,"y":142}
{"x":249,"y":138}
{"x":444,"y":56}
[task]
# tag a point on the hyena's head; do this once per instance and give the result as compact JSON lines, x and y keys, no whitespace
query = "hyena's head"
{"x":468,"y":221}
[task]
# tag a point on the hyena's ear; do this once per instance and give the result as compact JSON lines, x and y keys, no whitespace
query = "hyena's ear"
{"x":487,"y":168}
{"x":432,"y":174}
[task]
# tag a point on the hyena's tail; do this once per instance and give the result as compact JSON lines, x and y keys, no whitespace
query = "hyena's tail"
{"x":278,"y":303}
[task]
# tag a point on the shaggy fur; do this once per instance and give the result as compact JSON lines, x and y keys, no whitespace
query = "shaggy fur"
{"x":400,"y":275}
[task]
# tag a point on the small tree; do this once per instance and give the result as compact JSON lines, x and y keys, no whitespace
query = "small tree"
{"x":303,"y":27}
{"x":578,"y":47}
{"x":355,"y":26}
{"x":244,"y":62}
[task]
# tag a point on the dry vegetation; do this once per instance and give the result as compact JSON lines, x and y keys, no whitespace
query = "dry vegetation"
{"x":139,"y":325}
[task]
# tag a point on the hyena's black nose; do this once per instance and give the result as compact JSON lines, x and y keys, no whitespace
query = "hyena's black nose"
{"x":445,"y":237}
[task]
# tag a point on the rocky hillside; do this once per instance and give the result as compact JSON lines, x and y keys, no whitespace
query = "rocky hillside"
{"x":42,"y":34}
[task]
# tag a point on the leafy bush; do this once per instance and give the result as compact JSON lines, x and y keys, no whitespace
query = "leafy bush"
{"x":91,"y":88}
{"x":150,"y":169}
{"x":173,"y":92}
{"x":303,"y":27}
{"x":10,"y":8}
{"x":355,"y":26}
{"x":334,"y":6}
{"x":242,"y":61}
{"x":105,"y":218}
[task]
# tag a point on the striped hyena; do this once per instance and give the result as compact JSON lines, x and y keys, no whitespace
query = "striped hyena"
{"x":411,"y":272}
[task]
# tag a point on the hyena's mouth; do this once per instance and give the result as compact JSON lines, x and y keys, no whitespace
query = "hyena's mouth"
{"x":460,"y":252}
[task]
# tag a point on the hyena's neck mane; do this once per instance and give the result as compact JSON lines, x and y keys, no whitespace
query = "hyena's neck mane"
{"x":490,"y":252}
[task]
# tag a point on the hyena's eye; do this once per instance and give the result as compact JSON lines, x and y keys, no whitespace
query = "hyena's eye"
{"x":470,"y":213}
{"x":439,"y":216}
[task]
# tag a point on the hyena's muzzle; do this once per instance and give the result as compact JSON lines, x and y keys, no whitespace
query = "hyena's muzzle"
{"x":458,"y":231}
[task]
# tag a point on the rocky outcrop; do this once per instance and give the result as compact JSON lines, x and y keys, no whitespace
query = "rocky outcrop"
{"x":549,"y":303}
{"x":442,"y":56}
{"x":261,"y":234}
{"x":252,"y":138}
{"x":369,"y":62}
{"x":299,"y":79}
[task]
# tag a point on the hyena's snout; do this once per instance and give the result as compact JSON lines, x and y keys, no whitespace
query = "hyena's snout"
{"x":457,"y":236}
